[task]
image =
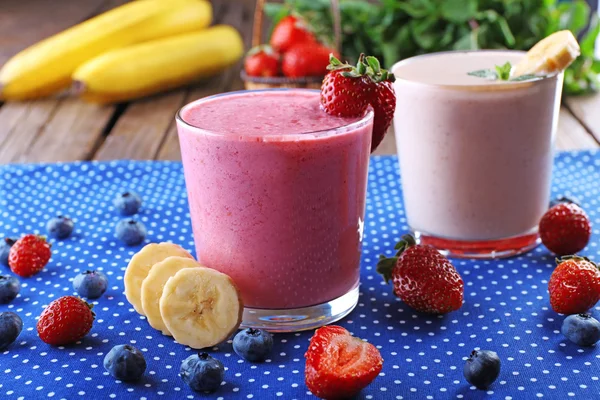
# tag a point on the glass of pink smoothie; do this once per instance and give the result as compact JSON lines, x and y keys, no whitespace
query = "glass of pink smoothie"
{"x":276,"y":189}
{"x":475,"y":155}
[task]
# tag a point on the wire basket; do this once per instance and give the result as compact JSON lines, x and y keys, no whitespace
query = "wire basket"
{"x":311,"y":82}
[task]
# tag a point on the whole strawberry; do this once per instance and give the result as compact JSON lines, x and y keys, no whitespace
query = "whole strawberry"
{"x":262,"y":61}
{"x":574,"y":285}
{"x":66,"y":320}
{"x":290,"y":31}
{"x":347,"y":91}
{"x":306,"y":59}
{"x":29,"y":255}
{"x":565,"y":229}
{"x":339,"y":365}
{"x":423,"y":278}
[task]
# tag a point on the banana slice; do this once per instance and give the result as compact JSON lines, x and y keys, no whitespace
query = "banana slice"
{"x":550,"y":55}
{"x":201,"y":307}
{"x":152,"y":288}
{"x":140,"y":265}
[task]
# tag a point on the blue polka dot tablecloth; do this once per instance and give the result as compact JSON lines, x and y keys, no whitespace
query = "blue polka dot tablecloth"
{"x":506,"y":303}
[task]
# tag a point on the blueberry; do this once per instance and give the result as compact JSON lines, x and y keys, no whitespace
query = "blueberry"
{"x":5,"y":246}
{"x":564,"y":199}
{"x":9,"y":288}
{"x":127,"y":203}
{"x":90,"y":284}
{"x":202,"y":372}
{"x":125,"y":363}
{"x":482,"y":368}
{"x":253,"y":344}
{"x":60,"y":227}
{"x":130,"y":231}
{"x":10,"y":328}
{"x":581,"y":329}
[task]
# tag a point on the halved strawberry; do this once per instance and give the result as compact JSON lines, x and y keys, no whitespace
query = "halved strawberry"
{"x":339,"y":365}
{"x":348,"y":90}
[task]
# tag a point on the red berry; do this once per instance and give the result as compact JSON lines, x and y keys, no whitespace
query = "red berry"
{"x":262,"y":61}
{"x":306,"y":59}
{"x":423,"y":278}
{"x":289,"y":32}
{"x":565,"y":229}
{"x":574,"y":285}
{"x":29,"y":255}
{"x":339,"y":365}
{"x":348,"y":90}
{"x":66,"y":320}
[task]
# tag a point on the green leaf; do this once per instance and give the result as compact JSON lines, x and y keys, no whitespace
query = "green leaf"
{"x":588,"y":42}
{"x":573,"y":16}
{"x":458,"y":11}
{"x":425,"y":32}
{"x":503,"y":71}
{"x":484,"y":73}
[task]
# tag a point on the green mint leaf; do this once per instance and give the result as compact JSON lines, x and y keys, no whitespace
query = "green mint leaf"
{"x":484,"y":73}
{"x":503,"y":71}
{"x":526,"y":77}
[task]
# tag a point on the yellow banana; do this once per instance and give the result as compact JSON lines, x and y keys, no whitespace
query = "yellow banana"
{"x":46,"y":67}
{"x":550,"y":55}
{"x":151,"y":67}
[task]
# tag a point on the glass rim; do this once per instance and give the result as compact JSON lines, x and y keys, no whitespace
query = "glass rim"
{"x":482,"y":87}
{"x":369,"y":115}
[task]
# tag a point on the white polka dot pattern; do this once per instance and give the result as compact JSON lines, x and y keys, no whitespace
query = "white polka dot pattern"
{"x":506,"y":304}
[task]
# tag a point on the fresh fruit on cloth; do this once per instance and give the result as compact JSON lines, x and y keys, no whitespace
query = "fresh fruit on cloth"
{"x":581,"y":329}
{"x":166,"y":63}
{"x":29,"y":255}
{"x":348,"y":90}
{"x":574,"y":285}
{"x":252,"y":344}
{"x":46,"y":67}
{"x":339,"y":365}
{"x":90,"y":284}
{"x":153,"y":285}
{"x":422,"y":277}
{"x":482,"y":368}
{"x":5,"y":245}
{"x":289,"y":32}
{"x":66,"y":320}
{"x":127,"y":203}
{"x":550,"y":55}
{"x":11,"y":326}
{"x":125,"y":363}
{"x":60,"y":227}
{"x":201,"y":307}
{"x":9,"y":288}
{"x":565,"y":229}
{"x":306,"y":59}
{"x":130,"y":231}
{"x":140,"y":266}
{"x":202,"y":372}
{"x":262,"y":61}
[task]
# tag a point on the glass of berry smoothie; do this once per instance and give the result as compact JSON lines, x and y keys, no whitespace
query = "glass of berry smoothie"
{"x":276,"y":189}
{"x":475,"y":154}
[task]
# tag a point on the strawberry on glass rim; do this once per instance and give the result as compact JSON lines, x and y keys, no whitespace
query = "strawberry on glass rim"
{"x":347,"y":91}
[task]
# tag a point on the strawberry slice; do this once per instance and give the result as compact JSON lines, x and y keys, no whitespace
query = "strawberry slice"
{"x":339,"y":365}
{"x":348,"y":90}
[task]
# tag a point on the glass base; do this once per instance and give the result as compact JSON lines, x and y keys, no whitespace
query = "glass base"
{"x":484,"y":249}
{"x":300,"y":319}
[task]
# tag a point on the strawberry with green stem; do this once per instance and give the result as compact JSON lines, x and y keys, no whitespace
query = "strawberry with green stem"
{"x":422,"y":277}
{"x":347,"y":91}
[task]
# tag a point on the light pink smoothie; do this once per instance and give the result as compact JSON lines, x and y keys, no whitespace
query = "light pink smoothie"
{"x":475,"y":155}
{"x":277,"y":194}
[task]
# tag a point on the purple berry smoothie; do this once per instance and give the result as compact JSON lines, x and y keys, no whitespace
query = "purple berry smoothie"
{"x":276,"y":189}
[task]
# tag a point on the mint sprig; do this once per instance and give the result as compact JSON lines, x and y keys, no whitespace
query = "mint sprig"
{"x":502,"y":73}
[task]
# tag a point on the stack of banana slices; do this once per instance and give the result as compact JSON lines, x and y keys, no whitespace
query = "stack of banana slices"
{"x":200,"y":307}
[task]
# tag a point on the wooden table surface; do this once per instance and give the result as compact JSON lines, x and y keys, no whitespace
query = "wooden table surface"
{"x":66,"y":128}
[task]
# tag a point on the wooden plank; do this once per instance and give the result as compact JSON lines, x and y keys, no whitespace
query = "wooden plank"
{"x":571,"y":135}
{"x":23,"y":23}
{"x":71,"y":133}
{"x":20,"y":125}
{"x":587,"y":110}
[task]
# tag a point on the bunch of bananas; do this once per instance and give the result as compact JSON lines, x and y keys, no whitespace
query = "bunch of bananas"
{"x":134,"y":50}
